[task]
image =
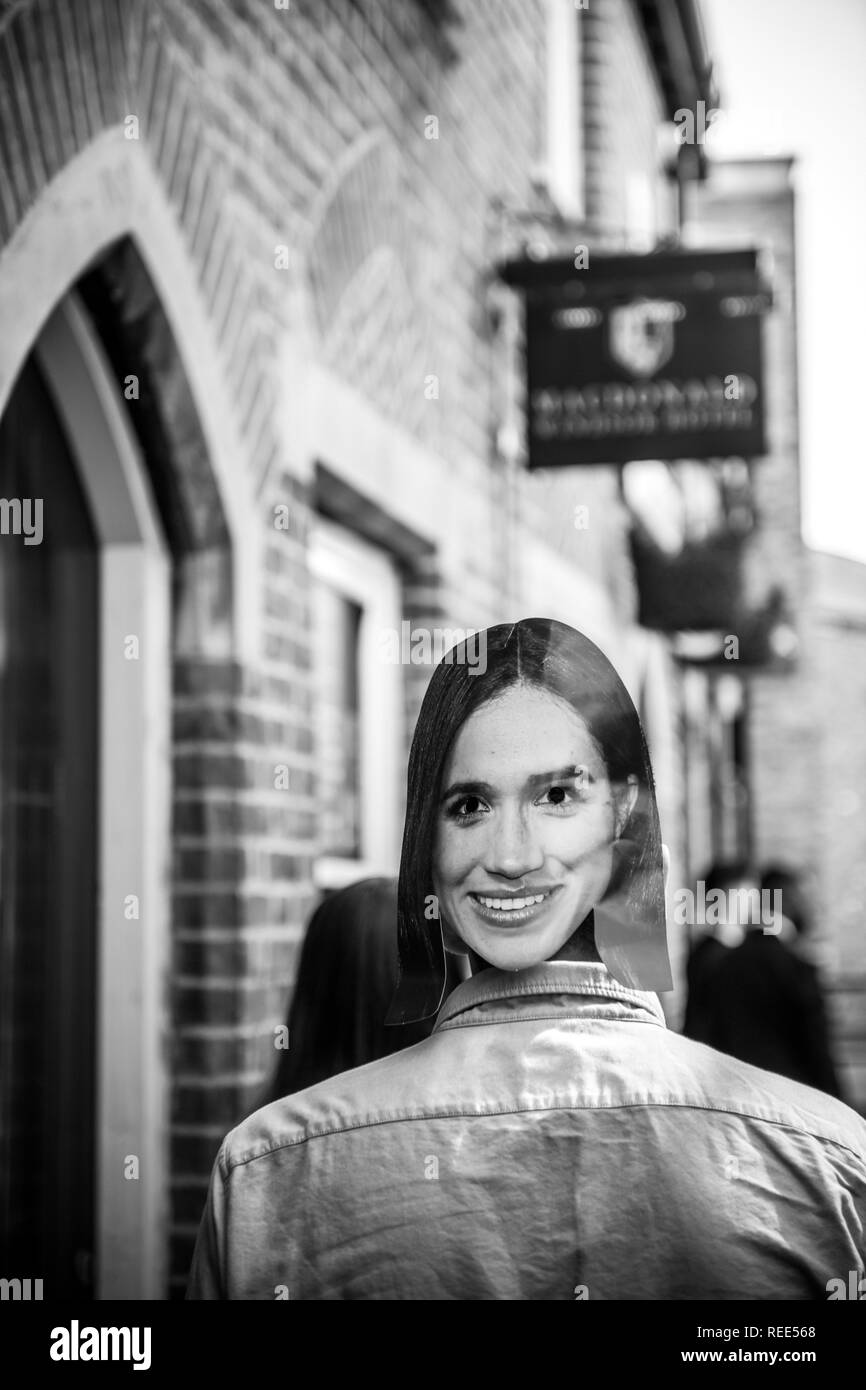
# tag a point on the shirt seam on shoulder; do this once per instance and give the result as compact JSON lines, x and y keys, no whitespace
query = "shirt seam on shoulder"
{"x":535,"y":1110}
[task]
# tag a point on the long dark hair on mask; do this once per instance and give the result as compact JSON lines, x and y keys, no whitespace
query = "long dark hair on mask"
{"x":629,"y":924}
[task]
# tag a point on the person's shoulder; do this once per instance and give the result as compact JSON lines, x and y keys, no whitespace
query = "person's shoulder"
{"x":707,"y":947}
{"x":385,"y":1091}
{"x":715,"y":1081}
{"x":758,"y":955}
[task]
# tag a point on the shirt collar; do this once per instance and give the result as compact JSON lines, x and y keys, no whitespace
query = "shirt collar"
{"x":582,"y":981}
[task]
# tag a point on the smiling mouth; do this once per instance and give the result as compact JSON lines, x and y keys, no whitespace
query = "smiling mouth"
{"x":513,"y":910}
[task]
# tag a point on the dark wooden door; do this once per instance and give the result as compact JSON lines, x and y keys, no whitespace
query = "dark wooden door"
{"x":49,"y":681}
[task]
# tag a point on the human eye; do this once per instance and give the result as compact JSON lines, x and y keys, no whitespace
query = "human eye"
{"x":565,"y":794}
{"x":558,"y":796}
{"x":465,"y":809}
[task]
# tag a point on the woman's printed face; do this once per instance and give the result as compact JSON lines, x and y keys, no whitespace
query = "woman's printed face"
{"x":525,"y":825}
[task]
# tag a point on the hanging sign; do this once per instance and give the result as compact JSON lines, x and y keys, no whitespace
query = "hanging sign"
{"x":656,"y":356}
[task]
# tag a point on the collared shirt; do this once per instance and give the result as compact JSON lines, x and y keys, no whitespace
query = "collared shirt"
{"x":551,"y":1139}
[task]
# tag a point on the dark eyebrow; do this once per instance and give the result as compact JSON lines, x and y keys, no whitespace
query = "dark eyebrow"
{"x":563,"y":774}
{"x":538,"y":779}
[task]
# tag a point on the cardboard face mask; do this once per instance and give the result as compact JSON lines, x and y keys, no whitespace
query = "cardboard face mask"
{"x":622,"y":887}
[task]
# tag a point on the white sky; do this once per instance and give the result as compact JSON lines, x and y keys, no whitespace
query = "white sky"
{"x":792,"y":75}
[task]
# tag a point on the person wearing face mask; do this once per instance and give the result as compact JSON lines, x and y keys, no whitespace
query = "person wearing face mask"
{"x":551,"y":1139}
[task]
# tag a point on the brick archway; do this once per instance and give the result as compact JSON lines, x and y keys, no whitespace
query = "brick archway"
{"x":76,"y":75}
{"x":104,"y":225}
{"x":88,"y":209}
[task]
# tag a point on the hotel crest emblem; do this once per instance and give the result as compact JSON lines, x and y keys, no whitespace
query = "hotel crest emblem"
{"x":641,"y":334}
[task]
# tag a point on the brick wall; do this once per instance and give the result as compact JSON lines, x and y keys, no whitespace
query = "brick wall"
{"x":622,"y":114}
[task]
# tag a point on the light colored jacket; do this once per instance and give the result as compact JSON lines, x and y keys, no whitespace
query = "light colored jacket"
{"x":550,"y":1140}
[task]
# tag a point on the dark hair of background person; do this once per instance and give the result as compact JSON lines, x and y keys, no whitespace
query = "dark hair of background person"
{"x":725,"y":873}
{"x":787,"y":882}
{"x":761,"y":1001}
{"x":707,"y":951}
{"x":346,"y":978}
{"x":557,"y":659}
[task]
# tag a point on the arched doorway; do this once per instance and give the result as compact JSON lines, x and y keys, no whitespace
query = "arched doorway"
{"x":49,"y":620}
{"x":179,"y":480}
{"x":84,"y":831}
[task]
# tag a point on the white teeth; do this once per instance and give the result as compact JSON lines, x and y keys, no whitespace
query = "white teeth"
{"x":511,"y":904}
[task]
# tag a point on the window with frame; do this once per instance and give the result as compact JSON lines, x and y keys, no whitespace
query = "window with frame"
{"x":358,"y":707}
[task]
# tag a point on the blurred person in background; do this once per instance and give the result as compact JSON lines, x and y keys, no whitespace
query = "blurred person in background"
{"x":765,"y":1003}
{"x":796,"y":926}
{"x":797,"y":934}
{"x":346,"y":979}
{"x":718,"y":936}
